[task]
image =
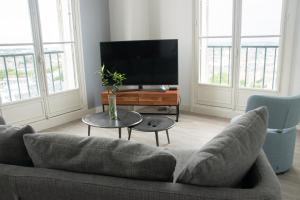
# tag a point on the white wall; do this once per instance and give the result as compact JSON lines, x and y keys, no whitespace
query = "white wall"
{"x":95,"y":28}
{"x":174,"y":19}
{"x":158,"y":19}
{"x":295,"y":73}
{"x":129,"y":19}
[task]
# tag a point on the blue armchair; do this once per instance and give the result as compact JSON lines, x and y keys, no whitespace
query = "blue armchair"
{"x":284,"y":115}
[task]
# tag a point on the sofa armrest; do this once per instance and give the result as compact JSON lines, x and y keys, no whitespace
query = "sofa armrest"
{"x":267,"y":183}
{"x":47,"y":184}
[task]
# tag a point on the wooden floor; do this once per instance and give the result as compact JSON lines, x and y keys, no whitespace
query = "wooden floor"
{"x":192,"y":131}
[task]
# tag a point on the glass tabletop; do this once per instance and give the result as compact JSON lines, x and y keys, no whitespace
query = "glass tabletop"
{"x":125,"y":119}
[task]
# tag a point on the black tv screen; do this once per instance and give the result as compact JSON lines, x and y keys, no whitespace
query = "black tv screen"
{"x":149,"y":62}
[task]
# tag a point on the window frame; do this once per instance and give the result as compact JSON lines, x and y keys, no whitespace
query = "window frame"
{"x":39,"y":60}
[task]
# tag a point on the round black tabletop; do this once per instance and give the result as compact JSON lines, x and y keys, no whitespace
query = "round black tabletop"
{"x":155,"y":124}
{"x":125,"y":119}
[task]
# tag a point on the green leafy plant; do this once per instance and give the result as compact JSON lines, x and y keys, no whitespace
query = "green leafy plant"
{"x":116,"y":77}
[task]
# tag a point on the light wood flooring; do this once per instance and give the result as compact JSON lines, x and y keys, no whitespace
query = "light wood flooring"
{"x":192,"y":131}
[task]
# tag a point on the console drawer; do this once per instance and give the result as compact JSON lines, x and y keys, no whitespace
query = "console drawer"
{"x":158,"y":100}
{"x":122,"y":99}
{"x":144,"y":98}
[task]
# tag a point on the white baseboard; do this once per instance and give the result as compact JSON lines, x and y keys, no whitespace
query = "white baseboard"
{"x":214,"y":111}
{"x":62,"y":119}
{"x":185,"y":108}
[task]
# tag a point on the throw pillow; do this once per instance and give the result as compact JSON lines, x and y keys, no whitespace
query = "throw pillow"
{"x":104,"y":156}
{"x":226,"y":159}
{"x":12,"y":148}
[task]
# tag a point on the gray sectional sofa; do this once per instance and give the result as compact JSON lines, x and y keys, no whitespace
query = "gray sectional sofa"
{"x":28,"y":183}
{"x":86,"y":168}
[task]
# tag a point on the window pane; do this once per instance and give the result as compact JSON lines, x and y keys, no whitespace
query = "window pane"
{"x":259,"y":54}
{"x":15,"y":22}
{"x":261,"y":17}
{"x":57,"y":26}
{"x":215,"y":61}
{"x":59,"y":63}
{"x":258,"y":66}
{"x":18,"y":76}
{"x":215,"y":53}
{"x":216,"y":17}
{"x":56,"y":20}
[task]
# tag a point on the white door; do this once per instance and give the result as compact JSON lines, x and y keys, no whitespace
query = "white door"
{"x":238,"y":50}
{"x":38,"y":60}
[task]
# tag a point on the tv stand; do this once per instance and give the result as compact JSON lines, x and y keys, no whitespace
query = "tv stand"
{"x":169,"y":98}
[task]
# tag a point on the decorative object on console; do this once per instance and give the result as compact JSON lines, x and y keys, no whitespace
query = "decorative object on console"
{"x":173,"y":88}
{"x":112,"y":81}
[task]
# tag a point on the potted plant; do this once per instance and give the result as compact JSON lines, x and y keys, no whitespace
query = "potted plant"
{"x":111,"y":81}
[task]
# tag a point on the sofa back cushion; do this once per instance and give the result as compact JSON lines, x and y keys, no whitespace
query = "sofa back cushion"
{"x":12,"y":148}
{"x":104,"y":156}
{"x":2,"y":121}
{"x":226,"y":159}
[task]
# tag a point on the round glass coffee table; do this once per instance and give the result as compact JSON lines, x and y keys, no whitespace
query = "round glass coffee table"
{"x":154,"y":124}
{"x":126,"y":119}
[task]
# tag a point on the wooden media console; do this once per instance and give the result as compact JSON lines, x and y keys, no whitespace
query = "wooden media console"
{"x":146,"y":98}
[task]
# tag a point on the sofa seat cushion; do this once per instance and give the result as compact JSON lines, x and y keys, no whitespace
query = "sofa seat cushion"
{"x":226,"y":159}
{"x":103,"y":156}
{"x":12,"y":148}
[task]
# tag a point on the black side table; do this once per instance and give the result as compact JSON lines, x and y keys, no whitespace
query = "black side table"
{"x":154,"y":124}
{"x":126,"y":119}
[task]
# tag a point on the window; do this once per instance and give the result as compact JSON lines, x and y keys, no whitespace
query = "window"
{"x":253,"y":25}
{"x":21,"y":74}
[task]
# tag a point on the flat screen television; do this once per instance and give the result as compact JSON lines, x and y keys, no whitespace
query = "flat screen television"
{"x":149,"y":62}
